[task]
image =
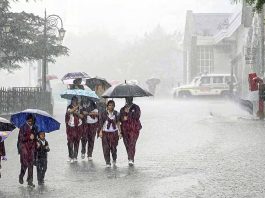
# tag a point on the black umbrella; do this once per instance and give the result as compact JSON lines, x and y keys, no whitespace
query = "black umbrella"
{"x":6,"y":125}
{"x":125,"y":90}
{"x":153,"y":81}
{"x":93,"y":82}
{"x":75,"y":75}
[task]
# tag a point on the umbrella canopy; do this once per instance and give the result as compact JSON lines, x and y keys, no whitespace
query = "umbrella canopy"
{"x":71,"y":82}
{"x":153,"y":81}
{"x":69,"y":94}
{"x":6,"y":125}
{"x":125,"y":90}
{"x":93,"y":82}
{"x":5,"y":128}
{"x":51,"y":77}
{"x":75,"y":75}
{"x":4,"y":135}
{"x":44,"y":121}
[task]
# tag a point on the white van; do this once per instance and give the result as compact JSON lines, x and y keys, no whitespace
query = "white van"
{"x":207,"y":85}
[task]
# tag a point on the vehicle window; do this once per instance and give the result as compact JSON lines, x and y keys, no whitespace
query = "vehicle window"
{"x":218,"y":79}
{"x":205,"y":80}
{"x":228,"y":79}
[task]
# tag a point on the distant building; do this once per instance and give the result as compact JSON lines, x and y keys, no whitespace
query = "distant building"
{"x":219,"y":43}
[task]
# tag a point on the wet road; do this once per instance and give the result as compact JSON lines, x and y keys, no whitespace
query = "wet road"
{"x":205,"y":148}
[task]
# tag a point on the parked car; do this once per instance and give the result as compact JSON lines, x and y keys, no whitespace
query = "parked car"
{"x":207,"y":85}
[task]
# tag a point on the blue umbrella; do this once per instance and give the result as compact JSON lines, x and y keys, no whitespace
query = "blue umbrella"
{"x":69,"y":94}
{"x":44,"y":121}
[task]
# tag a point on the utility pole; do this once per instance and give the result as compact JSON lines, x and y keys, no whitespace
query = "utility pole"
{"x":262,"y":41}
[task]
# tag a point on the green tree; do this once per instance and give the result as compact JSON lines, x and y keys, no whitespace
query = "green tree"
{"x":258,"y":4}
{"x":25,"y":41}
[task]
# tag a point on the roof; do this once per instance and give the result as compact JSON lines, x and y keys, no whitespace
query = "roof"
{"x":209,"y":24}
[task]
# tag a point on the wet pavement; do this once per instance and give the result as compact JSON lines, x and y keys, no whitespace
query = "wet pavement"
{"x":194,"y":148}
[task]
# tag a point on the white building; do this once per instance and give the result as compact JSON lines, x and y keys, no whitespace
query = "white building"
{"x":219,"y":43}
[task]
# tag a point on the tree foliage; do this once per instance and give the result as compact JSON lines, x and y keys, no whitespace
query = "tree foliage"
{"x":25,"y":41}
{"x":257,"y":4}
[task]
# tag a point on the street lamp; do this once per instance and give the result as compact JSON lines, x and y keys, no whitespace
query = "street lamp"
{"x":51,"y":21}
{"x":6,"y":28}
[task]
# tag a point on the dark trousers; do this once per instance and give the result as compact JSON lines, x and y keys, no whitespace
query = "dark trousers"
{"x":109,"y":145}
{"x":73,"y":149}
{"x":30,"y":172}
{"x":41,"y":169}
{"x":73,"y":138}
{"x":88,"y":138}
{"x":130,"y":139}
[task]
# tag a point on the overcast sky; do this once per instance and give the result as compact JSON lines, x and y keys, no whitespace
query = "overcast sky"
{"x":123,"y":19}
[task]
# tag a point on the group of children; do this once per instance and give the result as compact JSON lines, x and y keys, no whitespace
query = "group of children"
{"x":84,"y":121}
{"x":32,"y":148}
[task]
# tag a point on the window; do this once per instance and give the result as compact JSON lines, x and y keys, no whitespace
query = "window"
{"x":228,"y":79}
{"x":205,"y":59}
{"x":205,"y":80}
{"x":218,"y":79}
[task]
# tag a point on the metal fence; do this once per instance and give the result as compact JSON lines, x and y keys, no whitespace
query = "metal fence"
{"x":20,"y":98}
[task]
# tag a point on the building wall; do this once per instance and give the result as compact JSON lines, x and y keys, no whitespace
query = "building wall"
{"x":221,"y":61}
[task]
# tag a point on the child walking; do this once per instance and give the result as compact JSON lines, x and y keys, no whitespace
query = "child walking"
{"x":110,"y":132}
{"x":41,"y":158}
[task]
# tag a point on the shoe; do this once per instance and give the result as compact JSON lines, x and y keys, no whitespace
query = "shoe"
{"x":21,"y":180}
{"x":72,"y":161}
{"x":69,"y":159}
{"x":108,"y":165}
{"x":83,"y":156}
{"x":114,"y":162}
{"x":75,"y":160}
{"x":30,"y":184}
{"x":131,"y":163}
{"x":90,"y":158}
{"x":40,"y":183}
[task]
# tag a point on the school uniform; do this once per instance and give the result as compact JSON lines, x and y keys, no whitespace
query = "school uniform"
{"x":74,"y":130}
{"x":41,"y":159}
{"x":130,"y":128}
{"x":26,"y":148}
{"x":91,"y":124}
{"x":110,"y":136}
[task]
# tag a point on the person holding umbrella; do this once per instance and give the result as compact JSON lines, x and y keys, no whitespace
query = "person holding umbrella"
{"x":110,"y":132}
{"x":6,"y":127}
{"x":36,"y":121}
{"x":74,"y":128}
{"x":2,"y":152}
{"x":91,"y":118}
{"x":26,"y":146}
{"x":129,"y":114}
{"x":130,"y":127}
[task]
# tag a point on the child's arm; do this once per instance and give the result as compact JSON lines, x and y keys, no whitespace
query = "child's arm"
{"x":47,"y":148}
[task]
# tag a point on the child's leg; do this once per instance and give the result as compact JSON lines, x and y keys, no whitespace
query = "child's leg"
{"x":76,"y":147}
{"x":114,"y":144}
{"x":39,"y":171}
{"x":106,"y":147}
{"x":70,"y":149}
{"x":84,"y":138}
{"x":91,"y":140}
{"x":30,"y":174}
{"x":44,"y":169}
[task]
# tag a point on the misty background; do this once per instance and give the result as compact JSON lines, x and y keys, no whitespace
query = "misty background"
{"x":119,"y":39}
